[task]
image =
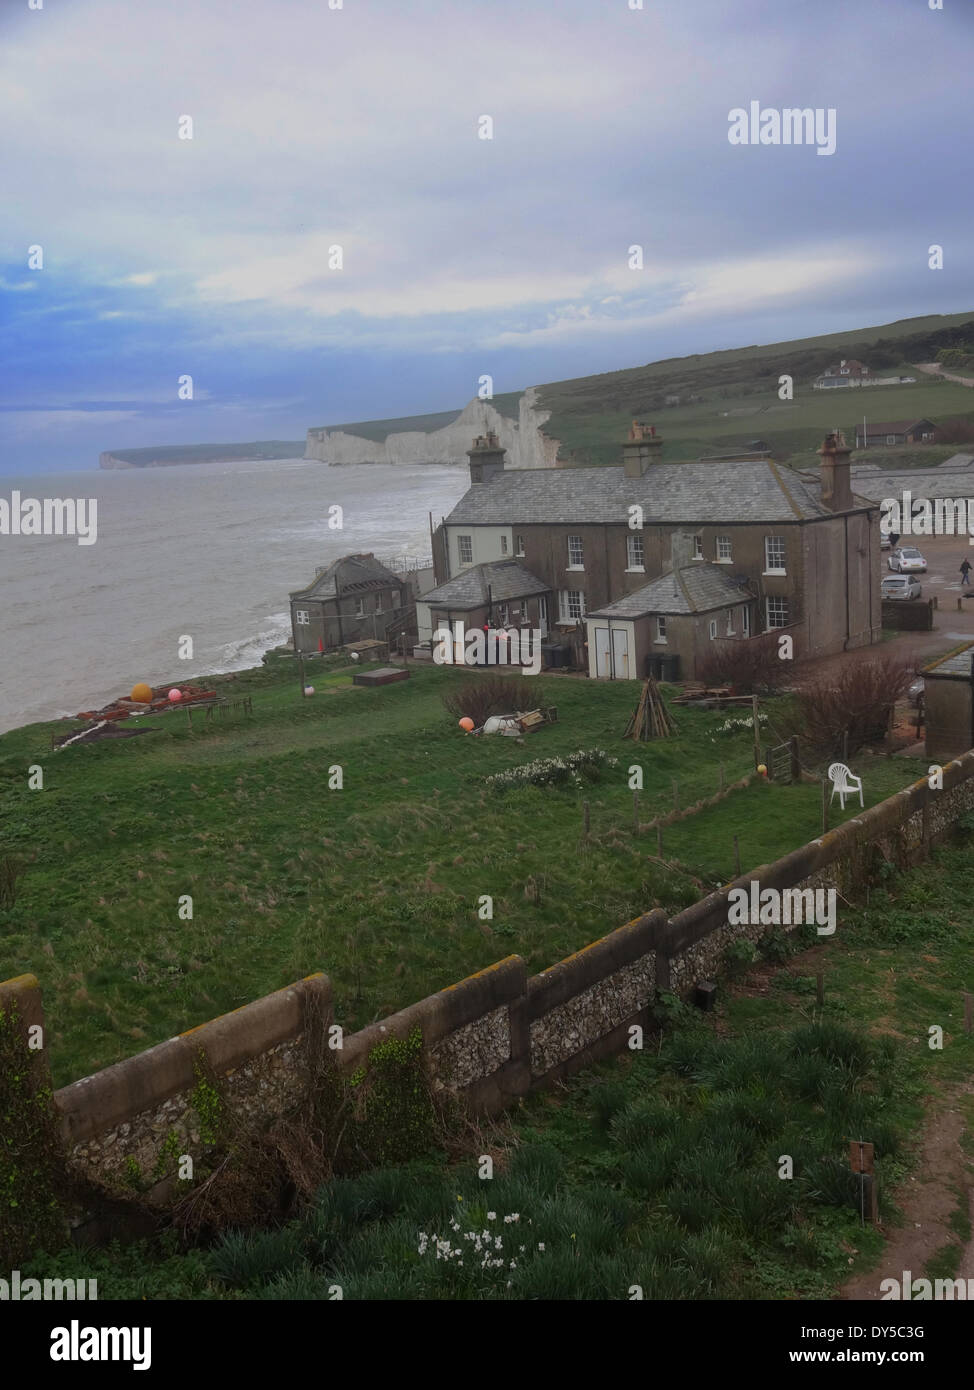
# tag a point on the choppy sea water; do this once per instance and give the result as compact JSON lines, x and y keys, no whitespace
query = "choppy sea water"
{"x":207,"y":550}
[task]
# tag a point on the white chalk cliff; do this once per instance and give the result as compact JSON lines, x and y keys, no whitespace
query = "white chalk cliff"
{"x":526,"y":444}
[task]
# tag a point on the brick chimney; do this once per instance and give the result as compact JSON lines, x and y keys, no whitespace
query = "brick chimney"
{"x":641,"y":449}
{"x":836,"y":483}
{"x":486,"y":458}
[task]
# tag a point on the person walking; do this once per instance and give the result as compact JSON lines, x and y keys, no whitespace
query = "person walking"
{"x":965,"y":570}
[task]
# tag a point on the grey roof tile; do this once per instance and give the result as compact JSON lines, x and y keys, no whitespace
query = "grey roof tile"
{"x":694,"y":588}
{"x":468,"y":589}
{"x":668,"y":492}
{"x":348,"y":574}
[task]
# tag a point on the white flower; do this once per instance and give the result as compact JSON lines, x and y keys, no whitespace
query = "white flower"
{"x":540,"y":1244}
{"x":492,"y":1216}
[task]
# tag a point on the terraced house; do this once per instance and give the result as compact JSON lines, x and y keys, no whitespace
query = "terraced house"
{"x":652,"y":559}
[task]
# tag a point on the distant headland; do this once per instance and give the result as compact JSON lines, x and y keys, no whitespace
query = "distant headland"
{"x":165,"y":456}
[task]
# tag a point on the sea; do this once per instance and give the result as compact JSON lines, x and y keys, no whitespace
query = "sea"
{"x":210,"y":551}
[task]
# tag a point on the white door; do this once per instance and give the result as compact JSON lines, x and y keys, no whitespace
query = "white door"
{"x":602,"y":667}
{"x":620,"y":653}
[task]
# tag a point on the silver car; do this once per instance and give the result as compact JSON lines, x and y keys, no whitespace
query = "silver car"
{"x":907,"y":559}
{"x":901,"y":586}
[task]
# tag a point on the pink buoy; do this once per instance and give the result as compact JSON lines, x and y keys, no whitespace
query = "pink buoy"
{"x":309,"y":690}
{"x":175,"y":695}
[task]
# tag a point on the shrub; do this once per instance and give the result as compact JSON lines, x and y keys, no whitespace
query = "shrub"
{"x":495,"y":694}
{"x":854,"y":702}
{"x":749,"y":664}
{"x":574,"y":769}
{"x":10,"y":871}
{"x":32,"y":1178}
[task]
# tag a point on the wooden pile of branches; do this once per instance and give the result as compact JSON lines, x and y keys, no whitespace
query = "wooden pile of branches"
{"x":650,"y":719}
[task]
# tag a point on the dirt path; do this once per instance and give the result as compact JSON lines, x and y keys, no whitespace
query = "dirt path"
{"x":935,"y":369}
{"x":928,"y":1199}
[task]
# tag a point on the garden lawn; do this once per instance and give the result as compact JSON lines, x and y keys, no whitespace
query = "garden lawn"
{"x":378,"y":884}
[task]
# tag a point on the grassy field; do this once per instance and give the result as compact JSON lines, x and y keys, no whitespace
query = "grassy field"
{"x":661,"y":1169}
{"x":377,"y":883}
{"x":727,"y":398}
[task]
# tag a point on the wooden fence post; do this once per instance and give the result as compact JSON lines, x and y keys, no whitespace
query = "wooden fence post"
{"x":757,"y":735}
{"x":796,"y":766}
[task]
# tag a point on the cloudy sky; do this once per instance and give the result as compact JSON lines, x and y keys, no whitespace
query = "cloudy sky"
{"x":358,"y":127}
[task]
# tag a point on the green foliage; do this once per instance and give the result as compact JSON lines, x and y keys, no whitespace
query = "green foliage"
{"x":738,"y":956}
{"x":32,"y":1177}
{"x":395,"y":1115}
{"x":575,"y":769}
{"x":206,"y":1100}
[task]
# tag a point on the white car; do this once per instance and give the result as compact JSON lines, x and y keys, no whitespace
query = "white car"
{"x":901,"y":586}
{"x":906,"y":559}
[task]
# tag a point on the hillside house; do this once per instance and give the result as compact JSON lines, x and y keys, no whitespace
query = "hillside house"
{"x":892,"y":432}
{"x":350,"y":600}
{"x":776,"y":549}
{"x":848,"y":372}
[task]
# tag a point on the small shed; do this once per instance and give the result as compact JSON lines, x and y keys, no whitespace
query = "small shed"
{"x":948,"y":686}
{"x":676,"y":617}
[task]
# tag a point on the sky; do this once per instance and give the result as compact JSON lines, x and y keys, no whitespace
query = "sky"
{"x":360,"y":127}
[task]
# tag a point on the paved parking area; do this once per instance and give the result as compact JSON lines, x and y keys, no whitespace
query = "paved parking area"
{"x":943,"y":582}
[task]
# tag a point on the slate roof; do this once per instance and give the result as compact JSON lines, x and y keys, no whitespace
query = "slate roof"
{"x":894,"y":426}
{"x":748,"y":491}
{"x":957,"y":665}
{"x":468,"y":589}
{"x":694,"y":588}
{"x":351,"y":574}
{"x":952,"y":478}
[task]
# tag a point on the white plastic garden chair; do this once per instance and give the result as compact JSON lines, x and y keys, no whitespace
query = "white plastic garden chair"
{"x":844,"y":783}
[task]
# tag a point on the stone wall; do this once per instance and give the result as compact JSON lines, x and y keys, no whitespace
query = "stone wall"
{"x":489,"y":1039}
{"x":908,"y":615}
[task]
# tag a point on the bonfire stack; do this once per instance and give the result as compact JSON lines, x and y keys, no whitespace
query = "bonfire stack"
{"x":650,"y":718}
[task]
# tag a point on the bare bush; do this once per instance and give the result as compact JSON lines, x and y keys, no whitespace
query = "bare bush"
{"x":855,"y":702}
{"x":957,"y":430}
{"x":495,"y":694}
{"x":748,"y":664}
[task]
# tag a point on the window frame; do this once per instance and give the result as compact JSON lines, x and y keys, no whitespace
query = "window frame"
{"x":576,"y":565}
{"x":727,"y":559}
{"x":660,"y":639}
{"x":460,"y":542}
{"x":785,"y":612}
{"x":635,"y":543}
{"x":768,"y":567}
{"x":565,"y":614}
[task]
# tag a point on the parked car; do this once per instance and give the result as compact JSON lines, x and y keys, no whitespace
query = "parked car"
{"x":885,"y":541}
{"x":907,"y":559}
{"x":901,"y":586}
{"x":916,"y":691}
